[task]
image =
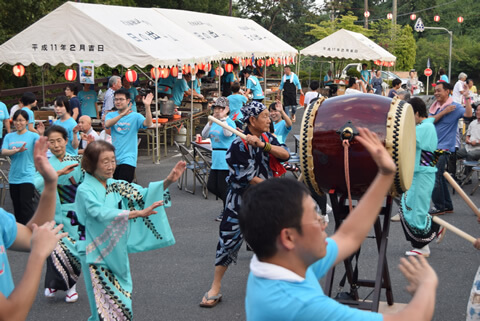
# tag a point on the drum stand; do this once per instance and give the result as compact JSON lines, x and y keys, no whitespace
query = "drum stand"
{"x":382,"y":279}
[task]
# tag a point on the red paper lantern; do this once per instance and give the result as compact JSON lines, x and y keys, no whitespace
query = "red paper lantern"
{"x":174,"y":71}
{"x":249,"y":61}
{"x":260,"y":62}
{"x":186,"y":69}
{"x":460,"y":19}
{"x":366,"y":14}
{"x":70,"y":74}
{"x":377,"y":62}
{"x":413,"y":16}
{"x":236,"y":60}
{"x":219,"y":71}
{"x":164,"y":72}
{"x":228,"y":67}
{"x":268,"y":62}
{"x":436,"y":18}
{"x":155,"y":72}
{"x":390,"y":16}
{"x":131,"y":75}
{"x":19,"y":70}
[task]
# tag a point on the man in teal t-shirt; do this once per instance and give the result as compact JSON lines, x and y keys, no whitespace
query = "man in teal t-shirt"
{"x":125,"y":125}
{"x":253,"y":86}
{"x":88,"y":99}
{"x":282,"y":224}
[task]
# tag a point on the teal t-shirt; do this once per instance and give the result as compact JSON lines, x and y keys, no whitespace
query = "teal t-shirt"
{"x":89,"y":103}
{"x":125,"y":138}
{"x":236,"y":102}
{"x":220,"y":145}
{"x":254,"y":85}
{"x":3,"y":115}
{"x":278,"y":299}
{"x":8,"y":234}
{"x":165,"y":85}
{"x":31,"y":116}
{"x":281,"y":131}
{"x":178,"y":90}
{"x":133,"y":93}
{"x":197,"y":83}
{"x":22,"y":169}
{"x":68,"y":125}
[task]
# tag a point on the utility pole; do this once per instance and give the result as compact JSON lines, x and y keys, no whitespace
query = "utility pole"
{"x":230,"y":9}
{"x":394,"y":12}
{"x":366,"y":17}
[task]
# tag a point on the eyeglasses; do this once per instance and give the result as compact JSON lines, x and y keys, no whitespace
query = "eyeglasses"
{"x":320,"y":219}
{"x":119,"y":99}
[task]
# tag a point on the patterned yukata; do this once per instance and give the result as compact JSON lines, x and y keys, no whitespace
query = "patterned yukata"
{"x":473,"y":308}
{"x":416,"y":222}
{"x":110,"y":236}
{"x":244,"y":164}
{"x":63,"y":265}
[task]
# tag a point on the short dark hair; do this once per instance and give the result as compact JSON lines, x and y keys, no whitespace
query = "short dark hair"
{"x":441,"y":71}
{"x":364,"y":65}
{"x":62,"y":101}
{"x":122,"y":91}
{"x":235,"y":87}
{"x":20,"y":112}
{"x":469,"y":80}
{"x":396,"y":82}
{"x":57,"y":129}
{"x":418,"y":106}
{"x":28,"y":98}
{"x":351,"y":81}
{"x":272,"y":106}
{"x":73,"y":88}
{"x":314,"y":85}
{"x":269,"y":207}
{"x":287,"y":66}
{"x":445,"y":85}
{"x":247,"y":71}
{"x":92,"y":154}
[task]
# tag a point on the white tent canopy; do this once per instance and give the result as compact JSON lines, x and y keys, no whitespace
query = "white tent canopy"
{"x":128,"y":36}
{"x":345,"y":44}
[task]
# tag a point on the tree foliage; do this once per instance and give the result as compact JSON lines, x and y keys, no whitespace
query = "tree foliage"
{"x":326,"y":28}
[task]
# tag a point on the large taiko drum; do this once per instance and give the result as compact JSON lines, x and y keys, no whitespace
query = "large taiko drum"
{"x":328,"y":121}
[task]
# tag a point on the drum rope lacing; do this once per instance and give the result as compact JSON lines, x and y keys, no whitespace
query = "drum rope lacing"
{"x":346,"y":146}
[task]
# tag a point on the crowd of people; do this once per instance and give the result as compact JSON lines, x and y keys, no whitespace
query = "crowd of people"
{"x":90,"y":214}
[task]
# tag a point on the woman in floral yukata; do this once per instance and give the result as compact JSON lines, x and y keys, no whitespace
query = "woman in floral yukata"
{"x":63,"y":265}
{"x":118,"y":219}
{"x":250,"y":162}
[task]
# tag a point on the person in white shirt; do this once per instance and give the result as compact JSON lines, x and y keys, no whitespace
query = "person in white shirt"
{"x":313,"y":94}
{"x":460,"y":86}
{"x":87,"y":134}
{"x":106,"y":132}
{"x":354,"y":86}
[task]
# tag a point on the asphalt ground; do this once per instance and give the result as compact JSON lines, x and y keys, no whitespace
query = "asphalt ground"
{"x":169,"y":283}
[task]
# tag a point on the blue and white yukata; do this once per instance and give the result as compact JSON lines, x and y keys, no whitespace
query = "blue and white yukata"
{"x":416,"y":222}
{"x":245,"y":162}
{"x":110,"y":236}
{"x":63,"y":265}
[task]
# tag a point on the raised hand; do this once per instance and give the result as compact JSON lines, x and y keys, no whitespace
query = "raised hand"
{"x":417,"y":271}
{"x":22,"y":149}
{"x":45,"y":238}
{"x":147,"y":100}
{"x":76,"y":129}
{"x":41,"y":161}
{"x":41,"y":128}
{"x":175,"y":174}
{"x":372,"y":144}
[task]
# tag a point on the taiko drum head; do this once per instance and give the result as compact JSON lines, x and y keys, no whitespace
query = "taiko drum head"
{"x":326,"y":121}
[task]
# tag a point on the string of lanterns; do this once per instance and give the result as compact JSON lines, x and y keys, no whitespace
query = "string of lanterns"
{"x":157,"y":72}
{"x":413,"y":16}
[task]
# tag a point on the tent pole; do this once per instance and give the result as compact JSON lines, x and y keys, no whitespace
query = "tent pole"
{"x":156,"y":115}
{"x":265,"y":78}
{"x":191,"y":110}
{"x":157,"y":159}
{"x":43,"y":85}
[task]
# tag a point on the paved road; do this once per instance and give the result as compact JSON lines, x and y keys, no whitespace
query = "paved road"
{"x":169,"y":283}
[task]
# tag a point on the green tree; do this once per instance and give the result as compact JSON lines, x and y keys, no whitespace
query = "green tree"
{"x":326,"y":28}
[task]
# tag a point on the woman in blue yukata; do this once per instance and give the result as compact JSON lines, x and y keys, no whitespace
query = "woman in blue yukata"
{"x":63,"y":265}
{"x":250,"y":161}
{"x":118,"y":220}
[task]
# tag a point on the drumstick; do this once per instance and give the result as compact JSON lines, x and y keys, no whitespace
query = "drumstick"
{"x":224,"y":125}
{"x":461,"y":193}
{"x":454,"y":229}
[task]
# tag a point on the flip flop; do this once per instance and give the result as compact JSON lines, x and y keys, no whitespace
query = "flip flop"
{"x":216,"y":299}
